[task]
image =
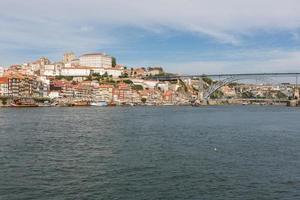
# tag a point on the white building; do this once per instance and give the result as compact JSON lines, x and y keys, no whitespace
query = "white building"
{"x":3,"y":86}
{"x":1,"y":71}
{"x":53,"y":94}
{"x":73,"y":63}
{"x":164,"y":86}
{"x":110,"y":71}
{"x":76,"y":71}
{"x":52,"y":69}
{"x":96,"y":60}
{"x":35,"y":66}
{"x":153,"y":71}
{"x":49,"y":70}
{"x":145,"y":83}
{"x":44,"y":86}
{"x":114,"y":72}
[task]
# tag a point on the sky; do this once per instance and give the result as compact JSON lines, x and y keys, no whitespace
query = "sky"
{"x":183,"y":36}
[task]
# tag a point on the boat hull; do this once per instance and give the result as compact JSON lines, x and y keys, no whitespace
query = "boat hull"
{"x":23,"y":105}
{"x":99,"y":104}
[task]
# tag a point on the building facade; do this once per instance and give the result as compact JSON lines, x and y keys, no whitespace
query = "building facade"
{"x":68,"y":57}
{"x":3,"y":86}
{"x":96,"y":60}
{"x":1,"y":71}
{"x":103,"y":93}
{"x":76,"y":71}
{"x":109,"y":71}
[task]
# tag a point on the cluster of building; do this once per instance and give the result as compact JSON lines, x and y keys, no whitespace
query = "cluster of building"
{"x":121,"y":93}
{"x":91,"y":77}
{"x":97,"y":77}
{"x":262,"y":91}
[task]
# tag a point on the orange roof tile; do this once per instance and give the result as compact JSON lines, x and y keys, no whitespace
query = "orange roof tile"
{"x":106,"y":86}
{"x":3,"y":80}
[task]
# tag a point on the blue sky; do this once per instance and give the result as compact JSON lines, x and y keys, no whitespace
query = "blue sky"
{"x":184,"y":36}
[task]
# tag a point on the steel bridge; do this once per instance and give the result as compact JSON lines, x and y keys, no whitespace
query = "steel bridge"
{"x":225,"y":79}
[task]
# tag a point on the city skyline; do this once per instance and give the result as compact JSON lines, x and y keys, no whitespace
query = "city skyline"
{"x":182,"y":36}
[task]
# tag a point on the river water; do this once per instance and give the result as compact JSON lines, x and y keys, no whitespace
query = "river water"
{"x":225,"y":152}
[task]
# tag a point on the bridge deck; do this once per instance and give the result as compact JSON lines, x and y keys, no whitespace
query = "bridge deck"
{"x":289,"y":74}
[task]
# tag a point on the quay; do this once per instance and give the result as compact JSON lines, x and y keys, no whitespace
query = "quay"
{"x":31,"y":102}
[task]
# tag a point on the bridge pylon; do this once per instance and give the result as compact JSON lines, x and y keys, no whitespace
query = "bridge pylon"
{"x":296,"y":94}
{"x":201,"y":91}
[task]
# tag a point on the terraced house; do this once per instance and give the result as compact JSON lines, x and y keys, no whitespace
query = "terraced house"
{"x":3,"y":86}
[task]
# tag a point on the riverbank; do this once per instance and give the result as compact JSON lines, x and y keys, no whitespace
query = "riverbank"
{"x":30,"y":102}
{"x":148,"y":105}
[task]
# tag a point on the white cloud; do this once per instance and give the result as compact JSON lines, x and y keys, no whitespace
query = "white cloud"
{"x":296,"y":36}
{"x":85,"y":25}
{"x":25,"y":38}
{"x":218,"y":19}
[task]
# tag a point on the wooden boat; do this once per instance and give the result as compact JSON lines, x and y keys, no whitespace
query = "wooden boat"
{"x":24,"y":103}
{"x":80,"y":103}
{"x":112,"y":104}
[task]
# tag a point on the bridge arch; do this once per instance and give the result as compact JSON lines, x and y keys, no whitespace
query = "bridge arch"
{"x":214,"y":87}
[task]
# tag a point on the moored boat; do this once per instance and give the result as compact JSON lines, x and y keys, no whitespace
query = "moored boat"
{"x":80,"y":103}
{"x":168,"y":104}
{"x":112,"y":104}
{"x":99,"y":103}
{"x":24,"y":103}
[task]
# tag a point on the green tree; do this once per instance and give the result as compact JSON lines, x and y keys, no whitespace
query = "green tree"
{"x":281,"y":95}
{"x":128,"y":81}
{"x":217,"y":94}
{"x":207,"y":80}
{"x":68,"y":78}
{"x":4,"y":100}
{"x":125,"y":75}
{"x":89,"y":78}
{"x":248,"y":94}
{"x":233,"y":84}
{"x":114,"y":61}
{"x":105,"y":74}
{"x":96,"y":74}
{"x":137,"y":87}
{"x":143,"y":100}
